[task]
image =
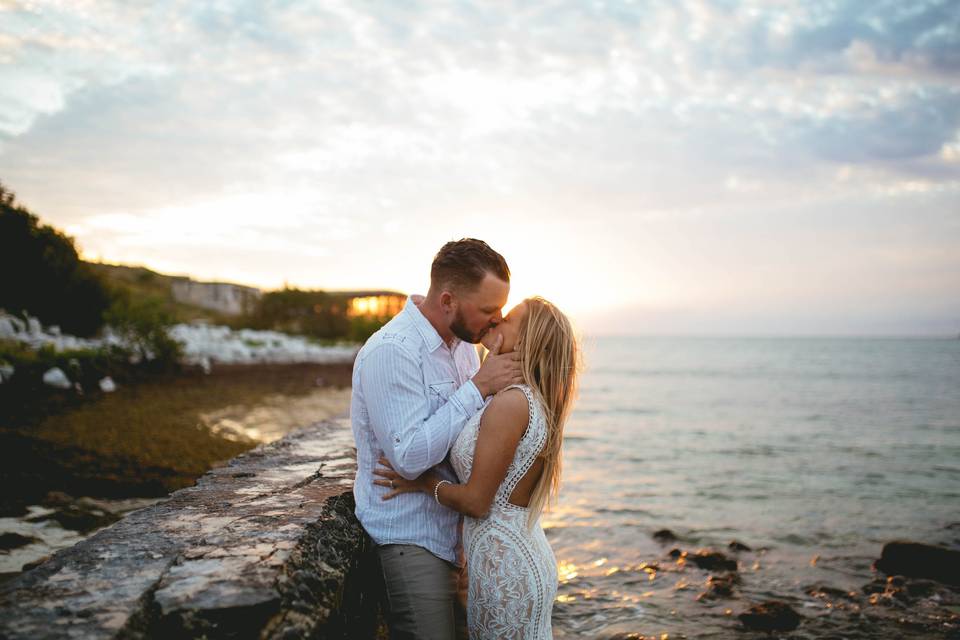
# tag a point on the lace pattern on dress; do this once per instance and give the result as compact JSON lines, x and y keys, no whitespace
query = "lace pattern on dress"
{"x":512,"y":570}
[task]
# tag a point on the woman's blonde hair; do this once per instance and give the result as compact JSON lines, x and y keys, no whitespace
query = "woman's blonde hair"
{"x":550,"y":363}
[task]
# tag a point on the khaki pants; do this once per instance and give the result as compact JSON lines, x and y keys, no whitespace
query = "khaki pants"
{"x":422,"y":595}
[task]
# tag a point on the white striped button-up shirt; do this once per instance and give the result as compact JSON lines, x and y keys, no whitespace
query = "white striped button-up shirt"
{"x":412,"y":395}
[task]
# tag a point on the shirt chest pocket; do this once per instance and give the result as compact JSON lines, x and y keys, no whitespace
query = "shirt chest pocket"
{"x":439,"y":392}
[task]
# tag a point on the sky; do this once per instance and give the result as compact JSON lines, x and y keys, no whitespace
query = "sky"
{"x":674,"y":167}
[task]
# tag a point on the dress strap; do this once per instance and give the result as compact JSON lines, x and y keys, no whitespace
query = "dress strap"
{"x":531,"y":403}
{"x":530,"y":446}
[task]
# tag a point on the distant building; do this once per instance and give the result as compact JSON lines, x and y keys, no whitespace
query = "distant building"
{"x":224,"y":297}
{"x":372,"y":304}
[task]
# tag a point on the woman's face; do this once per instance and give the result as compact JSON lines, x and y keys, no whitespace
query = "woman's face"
{"x":509,"y":328}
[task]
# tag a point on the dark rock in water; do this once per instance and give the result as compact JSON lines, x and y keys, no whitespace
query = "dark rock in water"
{"x":720,"y":586}
{"x":736,"y":545}
{"x":664,"y":535}
{"x":920,"y":587}
{"x":713,"y":561}
{"x":918,"y":560}
{"x":900,"y":592}
{"x":76,"y":514}
{"x":831,"y":593}
{"x":877,"y":586}
{"x":10,"y":541}
{"x":770,"y":616}
{"x":675,"y":553}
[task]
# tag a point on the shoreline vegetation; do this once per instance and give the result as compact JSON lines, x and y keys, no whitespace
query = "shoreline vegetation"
{"x":103,"y":365}
{"x":67,"y":324}
{"x":115,"y":391}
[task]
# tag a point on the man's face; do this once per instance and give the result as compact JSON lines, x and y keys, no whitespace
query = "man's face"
{"x":478,"y":311}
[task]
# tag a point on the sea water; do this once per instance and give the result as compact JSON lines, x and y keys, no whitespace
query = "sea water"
{"x":813,"y":452}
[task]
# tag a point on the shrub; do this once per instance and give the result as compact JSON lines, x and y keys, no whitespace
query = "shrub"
{"x":143,"y":323}
{"x":43,"y":275}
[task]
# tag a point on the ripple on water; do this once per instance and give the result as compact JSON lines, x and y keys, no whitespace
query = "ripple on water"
{"x":811,"y":452}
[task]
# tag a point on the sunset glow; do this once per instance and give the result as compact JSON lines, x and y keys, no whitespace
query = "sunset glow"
{"x":687,"y":167}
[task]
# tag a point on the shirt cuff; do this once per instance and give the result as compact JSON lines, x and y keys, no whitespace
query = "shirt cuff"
{"x":470,"y":397}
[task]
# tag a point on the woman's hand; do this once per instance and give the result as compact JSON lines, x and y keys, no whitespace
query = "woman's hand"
{"x":398,"y":484}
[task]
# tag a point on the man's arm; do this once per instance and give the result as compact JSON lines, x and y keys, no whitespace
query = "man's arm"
{"x":397,"y":403}
{"x":503,"y":424}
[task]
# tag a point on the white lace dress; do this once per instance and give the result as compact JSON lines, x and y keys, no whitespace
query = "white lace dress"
{"x":512,"y":569}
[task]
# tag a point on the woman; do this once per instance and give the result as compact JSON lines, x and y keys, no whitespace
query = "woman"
{"x":508,"y":461}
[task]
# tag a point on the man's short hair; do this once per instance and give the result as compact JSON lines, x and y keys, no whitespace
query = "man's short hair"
{"x":461,"y":265}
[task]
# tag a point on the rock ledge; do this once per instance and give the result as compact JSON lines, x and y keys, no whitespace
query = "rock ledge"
{"x":266,"y":546}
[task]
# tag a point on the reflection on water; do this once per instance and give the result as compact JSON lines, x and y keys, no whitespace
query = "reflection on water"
{"x":813,"y":453}
{"x":275,"y":415}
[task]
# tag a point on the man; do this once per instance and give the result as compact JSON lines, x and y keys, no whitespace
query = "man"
{"x":416,"y":383}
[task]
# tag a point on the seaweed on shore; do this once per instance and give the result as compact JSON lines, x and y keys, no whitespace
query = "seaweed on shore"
{"x":146,"y":439}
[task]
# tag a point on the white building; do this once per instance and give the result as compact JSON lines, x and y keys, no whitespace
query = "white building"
{"x":224,"y":297}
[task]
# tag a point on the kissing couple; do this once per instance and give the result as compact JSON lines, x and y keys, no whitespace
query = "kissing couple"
{"x":440,"y":435}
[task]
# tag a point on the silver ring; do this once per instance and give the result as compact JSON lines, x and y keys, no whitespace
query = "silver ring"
{"x":391,"y":485}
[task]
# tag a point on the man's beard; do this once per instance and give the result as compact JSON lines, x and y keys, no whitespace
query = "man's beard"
{"x":459,"y":329}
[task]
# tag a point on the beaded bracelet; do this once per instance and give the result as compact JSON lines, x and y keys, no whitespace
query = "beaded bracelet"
{"x":436,"y":490}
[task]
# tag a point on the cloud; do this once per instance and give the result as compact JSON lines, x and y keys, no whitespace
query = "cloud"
{"x":652,"y":120}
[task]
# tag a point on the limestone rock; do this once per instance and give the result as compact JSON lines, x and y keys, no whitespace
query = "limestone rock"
{"x":56,"y":378}
{"x":266,"y":546}
{"x":8,"y":327}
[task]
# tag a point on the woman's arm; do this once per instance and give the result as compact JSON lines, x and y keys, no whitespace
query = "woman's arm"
{"x":501,"y":427}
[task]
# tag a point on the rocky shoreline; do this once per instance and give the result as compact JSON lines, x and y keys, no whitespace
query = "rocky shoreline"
{"x":154,"y":437}
{"x":266,"y":546}
{"x":915,"y":594}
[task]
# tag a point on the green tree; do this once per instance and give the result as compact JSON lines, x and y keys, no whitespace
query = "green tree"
{"x":41,"y":273}
{"x":312,"y":313}
{"x":143,"y":322}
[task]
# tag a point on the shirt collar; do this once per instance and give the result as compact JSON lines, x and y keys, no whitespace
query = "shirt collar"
{"x":427,"y":330}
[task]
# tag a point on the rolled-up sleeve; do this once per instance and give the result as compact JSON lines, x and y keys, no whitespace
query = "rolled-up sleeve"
{"x":398,"y":406}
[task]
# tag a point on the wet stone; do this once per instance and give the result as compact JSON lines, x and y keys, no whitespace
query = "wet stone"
{"x":261,"y":547}
{"x":664,"y":535}
{"x":772,"y":615}
{"x":712,"y":561}
{"x":827,"y":592}
{"x":36,"y":563}
{"x":82,"y":514}
{"x":10,"y":541}
{"x":720,"y":586}
{"x":918,"y":560}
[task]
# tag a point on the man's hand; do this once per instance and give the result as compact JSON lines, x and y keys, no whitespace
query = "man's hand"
{"x":498,"y":370}
{"x":398,"y":484}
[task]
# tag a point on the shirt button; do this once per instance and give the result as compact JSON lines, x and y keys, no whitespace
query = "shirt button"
{"x":396,"y":439}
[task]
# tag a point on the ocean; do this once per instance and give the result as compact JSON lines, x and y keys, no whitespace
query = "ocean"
{"x":813,"y":452}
